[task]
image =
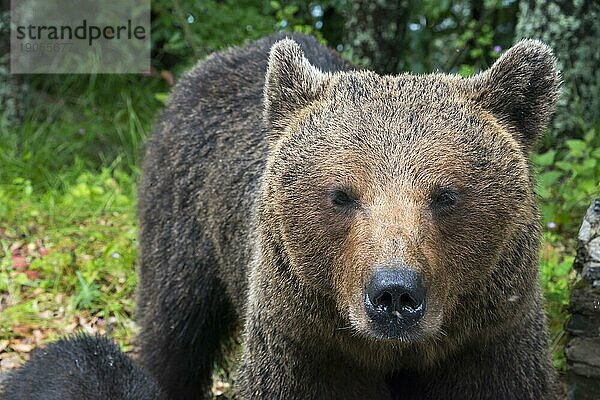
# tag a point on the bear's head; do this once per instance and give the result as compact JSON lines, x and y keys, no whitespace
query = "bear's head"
{"x":407,"y":201}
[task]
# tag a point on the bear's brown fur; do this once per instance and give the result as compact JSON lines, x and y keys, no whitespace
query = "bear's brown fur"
{"x":277,"y":216}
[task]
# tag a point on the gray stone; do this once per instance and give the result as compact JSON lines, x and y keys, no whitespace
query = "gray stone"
{"x":591,"y":271}
{"x":590,"y":228}
{"x":583,"y":349}
{"x":585,"y":299}
{"x":585,"y":232}
{"x":593,"y":248}
{"x":585,"y":370}
{"x":582,"y":325}
{"x":580,"y":387}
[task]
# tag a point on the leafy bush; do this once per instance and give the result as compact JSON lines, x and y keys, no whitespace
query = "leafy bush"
{"x":556,"y":274}
{"x":421,"y":37}
{"x":568,"y":179}
{"x":184,"y":31}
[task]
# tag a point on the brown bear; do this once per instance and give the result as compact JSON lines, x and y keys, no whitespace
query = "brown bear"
{"x":376,"y":236}
{"x":80,"y":367}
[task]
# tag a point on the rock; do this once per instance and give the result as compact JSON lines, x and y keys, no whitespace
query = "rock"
{"x":581,"y":325}
{"x":591,"y":271}
{"x":583,"y":348}
{"x":585,"y":299}
{"x":582,"y":388}
{"x":585,"y":351}
{"x":594,"y":249}
{"x":590,"y":227}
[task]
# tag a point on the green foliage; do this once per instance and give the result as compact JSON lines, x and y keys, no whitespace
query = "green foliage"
{"x":556,"y":274}
{"x":391,"y":36}
{"x":184,"y":31}
{"x":568,"y":179}
{"x":78,"y":241}
{"x":294,"y":16}
{"x":74,"y":123}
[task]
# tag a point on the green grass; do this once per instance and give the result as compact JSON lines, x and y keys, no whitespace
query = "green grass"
{"x":85,"y":124}
{"x":67,"y":209}
{"x":68,"y":253}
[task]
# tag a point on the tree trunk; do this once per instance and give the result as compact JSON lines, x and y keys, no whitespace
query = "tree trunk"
{"x":572,"y":29}
{"x":375,"y":32}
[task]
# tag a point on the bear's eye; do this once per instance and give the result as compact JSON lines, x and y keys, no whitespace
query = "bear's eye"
{"x":443,"y":200}
{"x":342,"y":198}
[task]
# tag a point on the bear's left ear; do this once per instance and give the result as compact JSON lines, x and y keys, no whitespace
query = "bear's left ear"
{"x":292,"y":83}
{"x":521,"y":89}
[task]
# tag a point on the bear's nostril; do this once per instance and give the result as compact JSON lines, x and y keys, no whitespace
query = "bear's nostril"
{"x":384,"y":301}
{"x":406,"y":300}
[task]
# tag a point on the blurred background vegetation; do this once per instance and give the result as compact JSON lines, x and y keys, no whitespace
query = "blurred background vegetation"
{"x":70,"y":145}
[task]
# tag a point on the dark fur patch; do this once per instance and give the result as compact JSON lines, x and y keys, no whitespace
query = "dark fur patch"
{"x":81,"y":367}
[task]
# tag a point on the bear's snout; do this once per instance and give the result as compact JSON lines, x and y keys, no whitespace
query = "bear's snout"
{"x":395,"y":301}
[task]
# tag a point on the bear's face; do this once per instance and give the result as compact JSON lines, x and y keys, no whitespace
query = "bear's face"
{"x":395,"y":196}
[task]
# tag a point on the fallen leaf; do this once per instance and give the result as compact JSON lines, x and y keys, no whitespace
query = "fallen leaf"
{"x":15,"y":248}
{"x":19,"y":262}
{"x":32,"y":275}
{"x":39,"y":336}
{"x":71,"y":327}
{"x":9,"y":361}
{"x":21,"y":347}
{"x":22,"y":330}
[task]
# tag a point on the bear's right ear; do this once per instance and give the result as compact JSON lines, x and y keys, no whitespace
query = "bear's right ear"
{"x":292,"y":83}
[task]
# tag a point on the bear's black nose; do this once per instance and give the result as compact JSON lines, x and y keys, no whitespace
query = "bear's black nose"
{"x":395,"y":299}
